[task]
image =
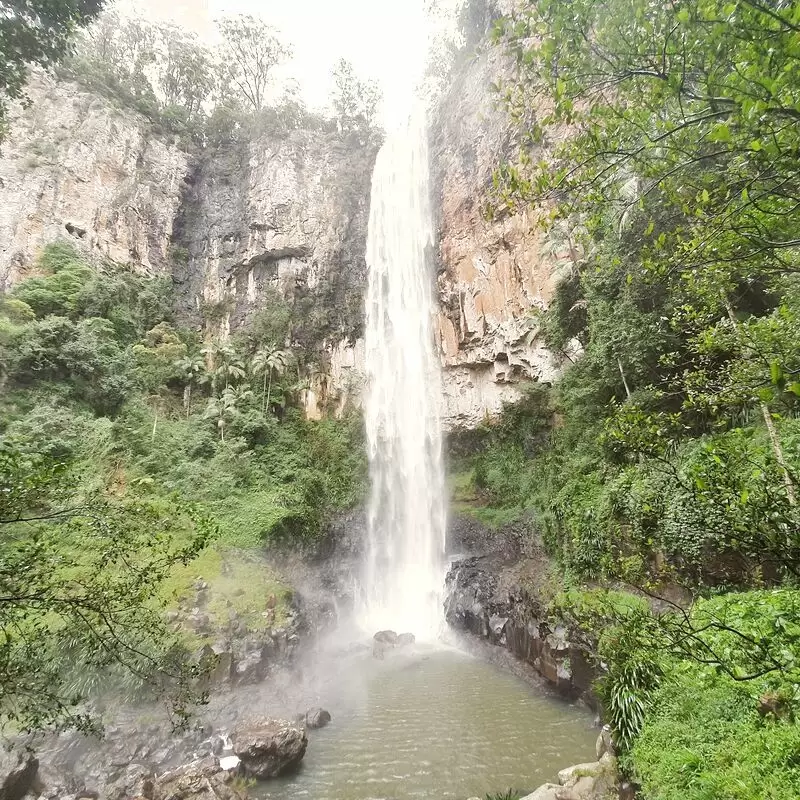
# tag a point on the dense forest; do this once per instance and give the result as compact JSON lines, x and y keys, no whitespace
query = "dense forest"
{"x":661,"y":144}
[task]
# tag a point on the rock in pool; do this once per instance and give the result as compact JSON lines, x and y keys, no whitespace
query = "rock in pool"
{"x":270,"y":747}
{"x":317,"y":718}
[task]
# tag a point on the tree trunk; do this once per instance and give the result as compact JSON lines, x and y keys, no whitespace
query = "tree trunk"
{"x":155,"y":424}
{"x":269,"y":391}
{"x":187,"y":399}
{"x":264,"y":394}
{"x":777,"y":449}
{"x":624,"y":380}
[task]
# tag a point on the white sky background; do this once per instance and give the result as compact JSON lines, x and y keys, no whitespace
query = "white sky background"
{"x":386,"y":40}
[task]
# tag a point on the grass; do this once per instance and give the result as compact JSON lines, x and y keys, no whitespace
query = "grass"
{"x":237,"y":581}
{"x":465,"y":499}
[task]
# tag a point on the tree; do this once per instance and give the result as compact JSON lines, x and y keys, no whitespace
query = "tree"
{"x":222,"y":409}
{"x":36,"y":32}
{"x":186,"y":73}
{"x":250,"y":51}
{"x":267,"y":361}
{"x":193,"y":372}
{"x":80,"y":593}
{"x":224,"y":364}
{"x":120,"y":54}
{"x":355,"y":101}
{"x":679,"y":121}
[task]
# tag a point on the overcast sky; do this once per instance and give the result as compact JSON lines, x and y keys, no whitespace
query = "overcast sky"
{"x":384,"y":39}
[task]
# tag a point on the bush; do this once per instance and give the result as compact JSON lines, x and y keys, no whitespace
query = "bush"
{"x":704,"y":738}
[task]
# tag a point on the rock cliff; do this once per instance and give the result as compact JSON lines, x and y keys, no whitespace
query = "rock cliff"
{"x":493,"y":275}
{"x":234,"y":226}
{"x":76,"y":167}
{"x":285,"y":214}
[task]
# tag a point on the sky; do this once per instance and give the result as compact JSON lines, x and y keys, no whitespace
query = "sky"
{"x":386,"y":40}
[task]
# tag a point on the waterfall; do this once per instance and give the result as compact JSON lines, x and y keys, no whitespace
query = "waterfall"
{"x":403,"y":573}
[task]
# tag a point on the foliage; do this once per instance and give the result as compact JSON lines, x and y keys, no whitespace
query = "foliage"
{"x":708,"y":732}
{"x":97,"y":374}
{"x":250,"y":52}
{"x":209,"y":96}
{"x":79,"y":579}
{"x":355,"y":101}
{"x":659,"y":145}
{"x":36,"y":32}
{"x":653,"y":157}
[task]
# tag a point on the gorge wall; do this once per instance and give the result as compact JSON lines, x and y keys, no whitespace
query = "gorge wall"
{"x":493,"y":274}
{"x":285,"y":213}
{"x":233,"y":225}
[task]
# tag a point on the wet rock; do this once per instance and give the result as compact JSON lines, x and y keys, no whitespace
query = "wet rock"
{"x":406,"y":639}
{"x":200,"y":780}
{"x":269,"y":748}
{"x":317,"y":718}
{"x":497,"y":628}
{"x":18,"y":770}
{"x":627,"y":791}
{"x":605,"y":743}
{"x":544,"y":792}
{"x":386,"y":637}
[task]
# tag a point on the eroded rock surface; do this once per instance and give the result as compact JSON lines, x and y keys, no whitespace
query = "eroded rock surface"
{"x":75,"y":167}
{"x":269,"y":748}
{"x":494,"y":274}
{"x":488,"y":595}
{"x":317,"y":718}
{"x":200,"y":780}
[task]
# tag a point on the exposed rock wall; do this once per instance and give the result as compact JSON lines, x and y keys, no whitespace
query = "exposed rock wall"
{"x":283,"y":215}
{"x":493,"y":275}
{"x":493,"y":592}
{"x":235,"y":226}
{"x":75,"y":167}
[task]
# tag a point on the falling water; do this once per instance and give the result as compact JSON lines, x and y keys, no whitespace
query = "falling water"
{"x":403,"y":572}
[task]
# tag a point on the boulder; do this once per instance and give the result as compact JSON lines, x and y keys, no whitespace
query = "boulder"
{"x":386,"y":637}
{"x":317,"y":718}
{"x":544,"y":792}
{"x":406,"y":639}
{"x":597,"y":779}
{"x":18,"y":769}
{"x":200,"y":780}
{"x":605,"y":743}
{"x":269,"y":748}
{"x":570,"y":775}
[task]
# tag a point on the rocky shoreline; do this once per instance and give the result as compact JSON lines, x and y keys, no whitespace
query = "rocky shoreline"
{"x":493,"y":591}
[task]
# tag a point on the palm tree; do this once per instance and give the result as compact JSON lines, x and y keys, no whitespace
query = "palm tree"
{"x":193,"y":372}
{"x":222,"y":408}
{"x":224,"y":363}
{"x":266,"y":362}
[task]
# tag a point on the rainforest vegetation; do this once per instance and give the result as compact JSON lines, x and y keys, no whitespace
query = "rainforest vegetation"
{"x":137,"y":452}
{"x":661,"y":143}
{"x":128,"y":446}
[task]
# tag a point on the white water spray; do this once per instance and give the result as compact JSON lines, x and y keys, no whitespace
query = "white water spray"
{"x":403,"y":577}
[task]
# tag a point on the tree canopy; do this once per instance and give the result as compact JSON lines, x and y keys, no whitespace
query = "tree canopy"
{"x":36,"y":32}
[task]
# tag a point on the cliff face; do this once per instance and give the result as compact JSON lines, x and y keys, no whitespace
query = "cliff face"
{"x":285,"y":214}
{"x":75,"y":167}
{"x":492,"y":275}
{"x":282,"y":215}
